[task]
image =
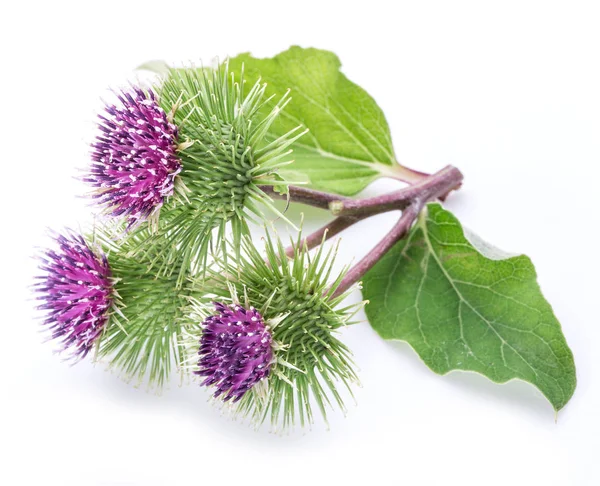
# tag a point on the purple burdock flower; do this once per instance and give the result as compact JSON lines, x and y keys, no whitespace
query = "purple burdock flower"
{"x":235,"y":350}
{"x":77,"y":293}
{"x":134,"y":161}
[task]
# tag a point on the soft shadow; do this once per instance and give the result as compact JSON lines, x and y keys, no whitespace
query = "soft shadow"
{"x":514,"y":394}
{"x":190,"y":402}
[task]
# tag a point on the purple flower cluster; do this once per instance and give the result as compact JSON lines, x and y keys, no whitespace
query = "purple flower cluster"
{"x":134,"y":161}
{"x":77,"y":292}
{"x":235,"y":350}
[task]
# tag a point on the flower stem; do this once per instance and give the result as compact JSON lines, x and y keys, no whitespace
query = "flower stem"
{"x":303,"y":195}
{"x":410,"y":200}
{"x":431,"y":187}
{"x":331,"y":229}
{"x":400,"y":229}
{"x":434,"y":186}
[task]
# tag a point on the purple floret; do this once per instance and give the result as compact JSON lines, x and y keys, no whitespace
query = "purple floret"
{"x":77,"y":293}
{"x":235,"y":351}
{"x":134,"y":161}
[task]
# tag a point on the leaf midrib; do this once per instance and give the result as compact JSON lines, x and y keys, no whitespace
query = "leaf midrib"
{"x":423,"y":225}
{"x":375,"y":165}
{"x":341,"y":125}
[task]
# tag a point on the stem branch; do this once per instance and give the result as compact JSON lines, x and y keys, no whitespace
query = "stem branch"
{"x":303,"y":195}
{"x":432,"y":187}
{"x":396,"y":234}
{"x":331,"y":229}
{"x":410,"y":200}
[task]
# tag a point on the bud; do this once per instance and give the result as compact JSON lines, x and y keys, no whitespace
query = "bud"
{"x":142,"y":338}
{"x":296,"y":313}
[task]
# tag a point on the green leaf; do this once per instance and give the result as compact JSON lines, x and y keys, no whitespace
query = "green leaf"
{"x":462,"y":305}
{"x":349,"y":143}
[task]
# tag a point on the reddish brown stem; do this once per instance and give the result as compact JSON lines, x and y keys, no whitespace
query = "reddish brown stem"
{"x":398,"y":232}
{"x":324,"y":233}
{"x":410,"y":200}
{"x":434,"y":186}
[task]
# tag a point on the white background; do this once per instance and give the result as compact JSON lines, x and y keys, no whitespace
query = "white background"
{"x":507,"y":91}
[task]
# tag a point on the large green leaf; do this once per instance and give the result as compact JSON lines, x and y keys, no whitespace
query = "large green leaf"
{"x":462,"y":305}
{"x":349,"y":143}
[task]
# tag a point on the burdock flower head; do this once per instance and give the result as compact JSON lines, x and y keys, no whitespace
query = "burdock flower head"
{"x":77,"y":293}
{"x":274,"y":351}
{"x":134,"y":160}
{"x":216,"y":138}
{"x":235,"y":350}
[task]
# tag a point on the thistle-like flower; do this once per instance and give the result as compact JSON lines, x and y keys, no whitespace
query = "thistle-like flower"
{"x":235,"y":350}
{"x":296,"y":306}
{"x":134,"y":160}
{"x":220,"y":139}
{"x":77,"y":292}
